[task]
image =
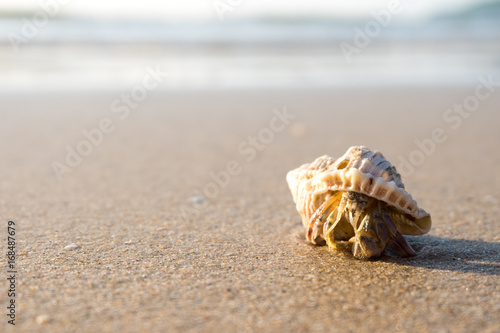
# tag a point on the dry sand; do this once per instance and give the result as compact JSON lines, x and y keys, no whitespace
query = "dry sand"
{"x":237,"y":262}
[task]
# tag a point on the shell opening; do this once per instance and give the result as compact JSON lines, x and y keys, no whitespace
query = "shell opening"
{"x":343,"y":165}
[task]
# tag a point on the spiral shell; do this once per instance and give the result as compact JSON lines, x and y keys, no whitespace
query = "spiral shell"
{"x":358,"y":170}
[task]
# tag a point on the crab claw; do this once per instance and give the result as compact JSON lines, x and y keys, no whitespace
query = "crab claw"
{"x":375,"y":231}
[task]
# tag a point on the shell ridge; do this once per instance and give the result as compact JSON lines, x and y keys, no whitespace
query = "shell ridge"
{"x":321,"y":185}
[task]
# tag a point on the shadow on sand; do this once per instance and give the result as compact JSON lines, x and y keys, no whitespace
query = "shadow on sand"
{"x":468,"y":256}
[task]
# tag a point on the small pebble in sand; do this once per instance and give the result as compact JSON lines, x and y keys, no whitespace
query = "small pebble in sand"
{"x":42,"y":319}
{"x":198,"y":199}
{"x":72,"y":247}
{"x":129,"y":242}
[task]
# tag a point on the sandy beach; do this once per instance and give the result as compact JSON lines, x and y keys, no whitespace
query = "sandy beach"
{"x":175,"y":215}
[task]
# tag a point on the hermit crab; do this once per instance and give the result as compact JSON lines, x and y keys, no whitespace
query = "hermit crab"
{"x":357,"y":202}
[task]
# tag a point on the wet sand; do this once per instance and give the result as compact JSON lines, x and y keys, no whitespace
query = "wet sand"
{"x":160,"y":247}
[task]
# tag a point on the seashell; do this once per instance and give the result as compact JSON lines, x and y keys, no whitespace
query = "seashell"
{"x":357,"y":202}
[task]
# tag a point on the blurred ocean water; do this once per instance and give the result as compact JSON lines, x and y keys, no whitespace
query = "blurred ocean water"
{"x":77,"y":53}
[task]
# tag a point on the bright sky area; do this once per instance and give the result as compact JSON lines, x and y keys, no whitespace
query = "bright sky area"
{"x":204,"y":9}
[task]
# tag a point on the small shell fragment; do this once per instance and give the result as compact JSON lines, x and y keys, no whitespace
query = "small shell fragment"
{"x":42,"y":319}
{"x":72,"y":247}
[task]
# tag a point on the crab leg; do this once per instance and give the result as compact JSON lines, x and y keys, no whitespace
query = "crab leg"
{"x":314,"y":232}
{"x":371,"y":237}
{"x":337,"y":229}
{"x":396,"y":241}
